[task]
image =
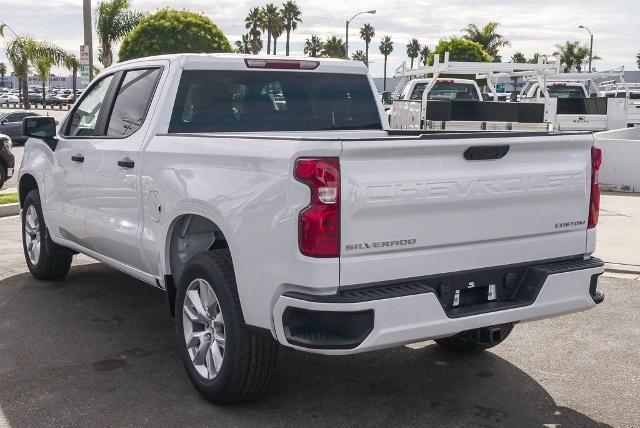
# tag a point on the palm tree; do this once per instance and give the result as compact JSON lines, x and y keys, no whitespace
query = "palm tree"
{"x":23,"y":51}
{"x":254,"y":22}
{"x":386,"y":47}
{"x":637,"y":60}
{"x":313,"y":46}
{"x":518,"y":57}
{"x":71,"y":62}
{"x":270,"y":15}
{"x":277,"y":29}
{"x":425,"y":52}
{"x":534,"y":59}
{"x":487,"y":37}
{"x":413,"y":50}
{"x":114,"y":20}
{"x":243,"y":45}
{"x":359,"y":56}
{"x":291,"y":13}
{"x":572,"y":54}
{"x":43,"y":69}
{"x":3,"y":72}
{"x":366,"y":33}
{"x":334,"y":47}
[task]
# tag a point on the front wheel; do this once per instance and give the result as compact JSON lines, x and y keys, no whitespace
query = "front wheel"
{"x":224,"y":360}
{"x":45,"y":259}
{"x":476,"y":340}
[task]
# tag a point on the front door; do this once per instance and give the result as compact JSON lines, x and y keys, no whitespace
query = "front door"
{"x":65,"y":202}
{"x":112,"y":174}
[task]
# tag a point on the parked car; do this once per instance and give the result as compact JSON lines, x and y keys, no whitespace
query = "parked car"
{"x":11,"y":124}
{"x":7,"y":160}
{"x":9,"y":98}
{"x":306,"y":221}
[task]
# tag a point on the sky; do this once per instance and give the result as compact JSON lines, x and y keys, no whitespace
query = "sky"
{"x":531,"y":26}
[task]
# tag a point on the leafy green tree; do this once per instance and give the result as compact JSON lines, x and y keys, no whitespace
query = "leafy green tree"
{"x":277,"y":28}
{"x":313,"y":46}
{"x":487,"y":37}
{"x":254,"y":23}
{"x":572,"y":55}
{"x":519,"y":58}
{"x":72,"y":63}
{"x":367,"y":32}
{"x":173,"y":31}
{"x":413,"y":50}
{"x":424,"y":54}
{"x":243,"y":45}
{"x":386,"y":47}
{"x":270,"y":14}
{"x":23,"y":51}
{"x":114,"y":20}
{"x":291,"y":13}
{"x":3,"y":72}
{"x":637,"y":61}
{"x":461,"y":50}
{"x":334,"y":47}
{"x":359,"y":56}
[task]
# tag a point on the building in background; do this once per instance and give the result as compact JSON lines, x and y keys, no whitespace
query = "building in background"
{"x":65,"y":82}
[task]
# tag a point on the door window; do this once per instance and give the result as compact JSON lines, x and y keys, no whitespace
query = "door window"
{"x":84,"y":118}
{"x":132,"y":102}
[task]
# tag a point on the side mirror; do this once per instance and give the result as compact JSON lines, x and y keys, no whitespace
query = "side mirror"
{"x":4,"y":122}
{"x":41,"y":127}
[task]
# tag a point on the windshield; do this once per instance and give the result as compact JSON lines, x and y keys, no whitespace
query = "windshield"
{"x":246,"y":101}
{"x":446,"y":91}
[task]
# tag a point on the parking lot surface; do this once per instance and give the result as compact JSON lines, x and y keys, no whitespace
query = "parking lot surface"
{"x":98,"y":349}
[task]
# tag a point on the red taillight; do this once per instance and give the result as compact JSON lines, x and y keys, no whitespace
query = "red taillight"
{"x":594,"y":203}
{"x":319,"y":222}
{"x":282,"y":64}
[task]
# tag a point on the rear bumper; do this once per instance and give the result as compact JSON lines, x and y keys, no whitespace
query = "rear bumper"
{"x":417,"y":313}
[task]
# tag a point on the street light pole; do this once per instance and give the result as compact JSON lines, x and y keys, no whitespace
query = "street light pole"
{"x":346,"y":39}
{"x":590,"y":46}
{"x":88,"y":35}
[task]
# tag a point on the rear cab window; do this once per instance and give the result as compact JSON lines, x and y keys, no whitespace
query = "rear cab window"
{"x":251,"y":101}
{"x":446,"y":91}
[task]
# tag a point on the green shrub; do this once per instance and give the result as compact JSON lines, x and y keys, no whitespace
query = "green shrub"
{"x":170,"y":31}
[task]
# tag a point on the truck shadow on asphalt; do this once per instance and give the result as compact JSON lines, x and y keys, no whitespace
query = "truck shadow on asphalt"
{"x":99,"y":346}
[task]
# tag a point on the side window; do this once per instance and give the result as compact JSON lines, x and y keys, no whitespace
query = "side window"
{"x":132,"y":102}
{"x":14,"y":117}
{"x":85,"y":116}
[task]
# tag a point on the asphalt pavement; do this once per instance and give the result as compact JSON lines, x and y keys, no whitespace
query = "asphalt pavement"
{"x":98,"y":349}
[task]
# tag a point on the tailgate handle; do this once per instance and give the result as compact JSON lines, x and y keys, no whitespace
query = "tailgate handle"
{"x":485,"y":152}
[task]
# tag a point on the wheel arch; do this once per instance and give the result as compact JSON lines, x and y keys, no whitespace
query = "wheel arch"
{"x":189,"y":234}
{"x":27,"y":183}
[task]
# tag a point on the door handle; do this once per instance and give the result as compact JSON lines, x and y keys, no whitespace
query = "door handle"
{"x":77,"y":158}
{"x":126,"y":163}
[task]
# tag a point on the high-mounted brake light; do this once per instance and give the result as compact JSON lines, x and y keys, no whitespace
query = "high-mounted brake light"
{"x":281,"y":64}
{"x":444,"y":81}
{"x":559,"y":85}
{"x":594,"y":202}
{"x":319,"y":222}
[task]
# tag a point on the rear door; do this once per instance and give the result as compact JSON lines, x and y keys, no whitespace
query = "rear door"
{"x":415,"y":207}
{"x":112,"y":180}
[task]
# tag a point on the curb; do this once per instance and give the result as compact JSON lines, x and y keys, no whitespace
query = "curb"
{"x":7,"y":210}
{"x":614,"y":268}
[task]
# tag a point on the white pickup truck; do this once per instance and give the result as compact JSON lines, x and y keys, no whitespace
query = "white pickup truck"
{"x":270,"y":200}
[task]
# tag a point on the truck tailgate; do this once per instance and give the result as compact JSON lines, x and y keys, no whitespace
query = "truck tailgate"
{"x":416,"y":206}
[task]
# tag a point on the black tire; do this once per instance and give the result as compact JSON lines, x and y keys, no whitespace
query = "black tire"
{"x":54,"y":261}
{"x":476,"y":340}
{"x":249,"y":359}
{"x":3,"y":175}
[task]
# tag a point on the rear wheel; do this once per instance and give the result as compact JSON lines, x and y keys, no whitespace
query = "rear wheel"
{"x":476,"y":340}
{"x":225,"y":362}
{"x":45,"y":259}
{"x":3,"y":175}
